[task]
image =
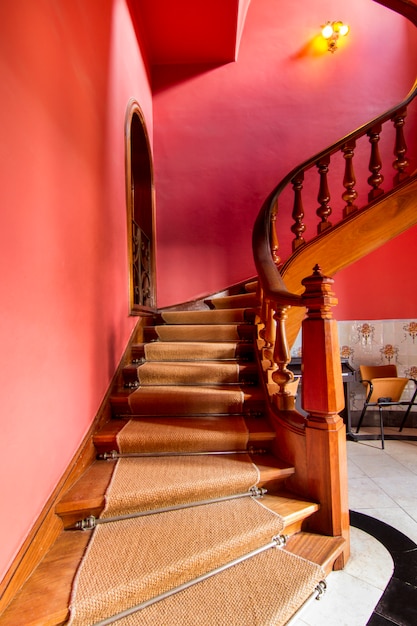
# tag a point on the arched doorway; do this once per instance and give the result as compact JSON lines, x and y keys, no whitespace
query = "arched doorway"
{"x":140,"y":213}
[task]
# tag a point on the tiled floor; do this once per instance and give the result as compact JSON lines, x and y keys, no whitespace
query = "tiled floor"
{"x":382,"y":486}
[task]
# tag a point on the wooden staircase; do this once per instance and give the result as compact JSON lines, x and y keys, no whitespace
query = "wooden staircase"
{"x":44,"y":599}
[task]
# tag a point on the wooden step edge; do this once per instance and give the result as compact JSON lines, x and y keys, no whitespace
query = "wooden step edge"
{"x":292,"y":509}
{"x":259,"y":433}
{"x":87,"y":496}
{"x":319,"y":549}
{"x":44,"y":599}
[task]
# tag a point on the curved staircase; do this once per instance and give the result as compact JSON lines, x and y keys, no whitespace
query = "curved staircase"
{"x":187,"y":462}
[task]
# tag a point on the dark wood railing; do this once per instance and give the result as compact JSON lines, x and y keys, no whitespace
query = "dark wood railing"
{"x":323,"y":446}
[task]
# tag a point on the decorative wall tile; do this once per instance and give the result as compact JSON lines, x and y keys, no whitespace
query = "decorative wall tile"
{"x":376,"y":342}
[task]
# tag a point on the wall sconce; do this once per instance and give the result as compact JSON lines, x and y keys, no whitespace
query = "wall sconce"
{"x":331,"y":31}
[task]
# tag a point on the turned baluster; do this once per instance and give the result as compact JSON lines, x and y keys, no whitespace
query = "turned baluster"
{"x":401,"y":162}
{"x":375,"y":164}
{"x":349,"y":180}
{"x":274,"y":243}
{"x":298,"y":211}
{"x":323,"y":197}
{"x":281,"y":376}
{"x":268,"y":333}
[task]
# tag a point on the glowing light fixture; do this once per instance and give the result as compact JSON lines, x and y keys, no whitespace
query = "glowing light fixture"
{"x":331,"y":31}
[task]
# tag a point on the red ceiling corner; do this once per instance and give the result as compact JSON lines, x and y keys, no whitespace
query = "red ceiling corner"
{"x":191,"y":31}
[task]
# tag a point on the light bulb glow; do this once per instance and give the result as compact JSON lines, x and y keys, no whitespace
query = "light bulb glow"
{"x":327,"y":30}
{"x":331,"y":31}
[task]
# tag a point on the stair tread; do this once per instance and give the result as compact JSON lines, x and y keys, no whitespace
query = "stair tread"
{"x":248,"y":299}
{"x":319,"y":549}
{"x":186,"y":372}
{"x":210,"y":316}
{"x":173,"y":400}
{"x":44,"y":599}
{"x":33,"y":607}
{"x":258,"y":428}
{"x":86,"y":497}
{"x":187,"y":350}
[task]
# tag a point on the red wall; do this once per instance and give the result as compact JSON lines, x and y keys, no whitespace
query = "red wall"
{"x":381,"y":286}
{"x":225,"y":136}
{"x":64,"y":86}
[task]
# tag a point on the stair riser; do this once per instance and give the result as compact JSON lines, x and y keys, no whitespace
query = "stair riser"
{"x":230,"y":332}
{"x":244,"y":352}
{"x":120,"y":408}
{"x":247,"y":375}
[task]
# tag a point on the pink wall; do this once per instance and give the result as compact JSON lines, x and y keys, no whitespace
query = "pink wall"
{"x":64,"y":88}
{"x":224,"y":136}
{"x":381,"y":286}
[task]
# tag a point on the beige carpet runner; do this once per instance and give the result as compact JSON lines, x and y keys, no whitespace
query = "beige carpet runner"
{"x":157,"y":482}
{"x":183,"y":400}
{"x":193,"y":547}
{"x":136,"y":560}
{"x":183,"y":434}
{"x":193,"y":332}
{"x":190,"y":351}
{"x":179,"y":373}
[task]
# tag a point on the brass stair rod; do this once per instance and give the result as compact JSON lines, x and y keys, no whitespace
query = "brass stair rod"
{"x":88,"y":523}
{"x":277,"y":542}
{"x":109,"y":456}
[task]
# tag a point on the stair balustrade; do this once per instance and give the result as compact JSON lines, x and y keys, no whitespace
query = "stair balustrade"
{"x":317,"y":441}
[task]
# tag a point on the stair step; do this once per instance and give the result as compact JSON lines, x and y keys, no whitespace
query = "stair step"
{"x":260,"y":432}
{"x":293,"y":510}
{"x":208,"y":316}
{"x":183,"y":373}
{"x":199,"y":332}
{"x":86,"y":497}
{"x":182,"y":400}
{"x":316,"y":548}
{"x":44,"y":599}
{"x":33,"y":607}
{"x":194,"y":351}
{"x":237,"y":301}
{"x":252,"y":285}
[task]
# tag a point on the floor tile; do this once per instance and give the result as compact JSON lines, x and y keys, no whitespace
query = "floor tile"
{"x":378,"y":586}
{"x":364,"y":493}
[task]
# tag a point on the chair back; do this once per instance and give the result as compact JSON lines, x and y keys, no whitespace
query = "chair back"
{"x":368,"y":372}
{"x":385,"y":382}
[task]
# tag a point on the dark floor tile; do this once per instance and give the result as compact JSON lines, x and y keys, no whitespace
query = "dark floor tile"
{"x":398,"y":603}
{"x":379,"y":620}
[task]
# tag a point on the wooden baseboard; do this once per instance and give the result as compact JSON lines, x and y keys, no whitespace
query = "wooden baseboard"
{"x":48,"y":526}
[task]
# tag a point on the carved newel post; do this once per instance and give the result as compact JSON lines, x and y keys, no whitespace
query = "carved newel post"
{"x":322,"y":399}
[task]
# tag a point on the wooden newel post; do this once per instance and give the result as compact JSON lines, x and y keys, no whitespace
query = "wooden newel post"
{"x":323,"y":399}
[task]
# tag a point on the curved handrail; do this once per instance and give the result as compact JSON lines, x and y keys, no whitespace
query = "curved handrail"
{"x":271,"y":283}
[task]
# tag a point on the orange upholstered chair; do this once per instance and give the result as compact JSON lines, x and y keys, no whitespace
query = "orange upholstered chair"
{"x":384,"y":388}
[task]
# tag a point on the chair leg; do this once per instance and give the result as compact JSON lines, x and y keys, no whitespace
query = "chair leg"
{"x":405,"y":416}
{"x":381,"y":421}
{"x":361,"y":418}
